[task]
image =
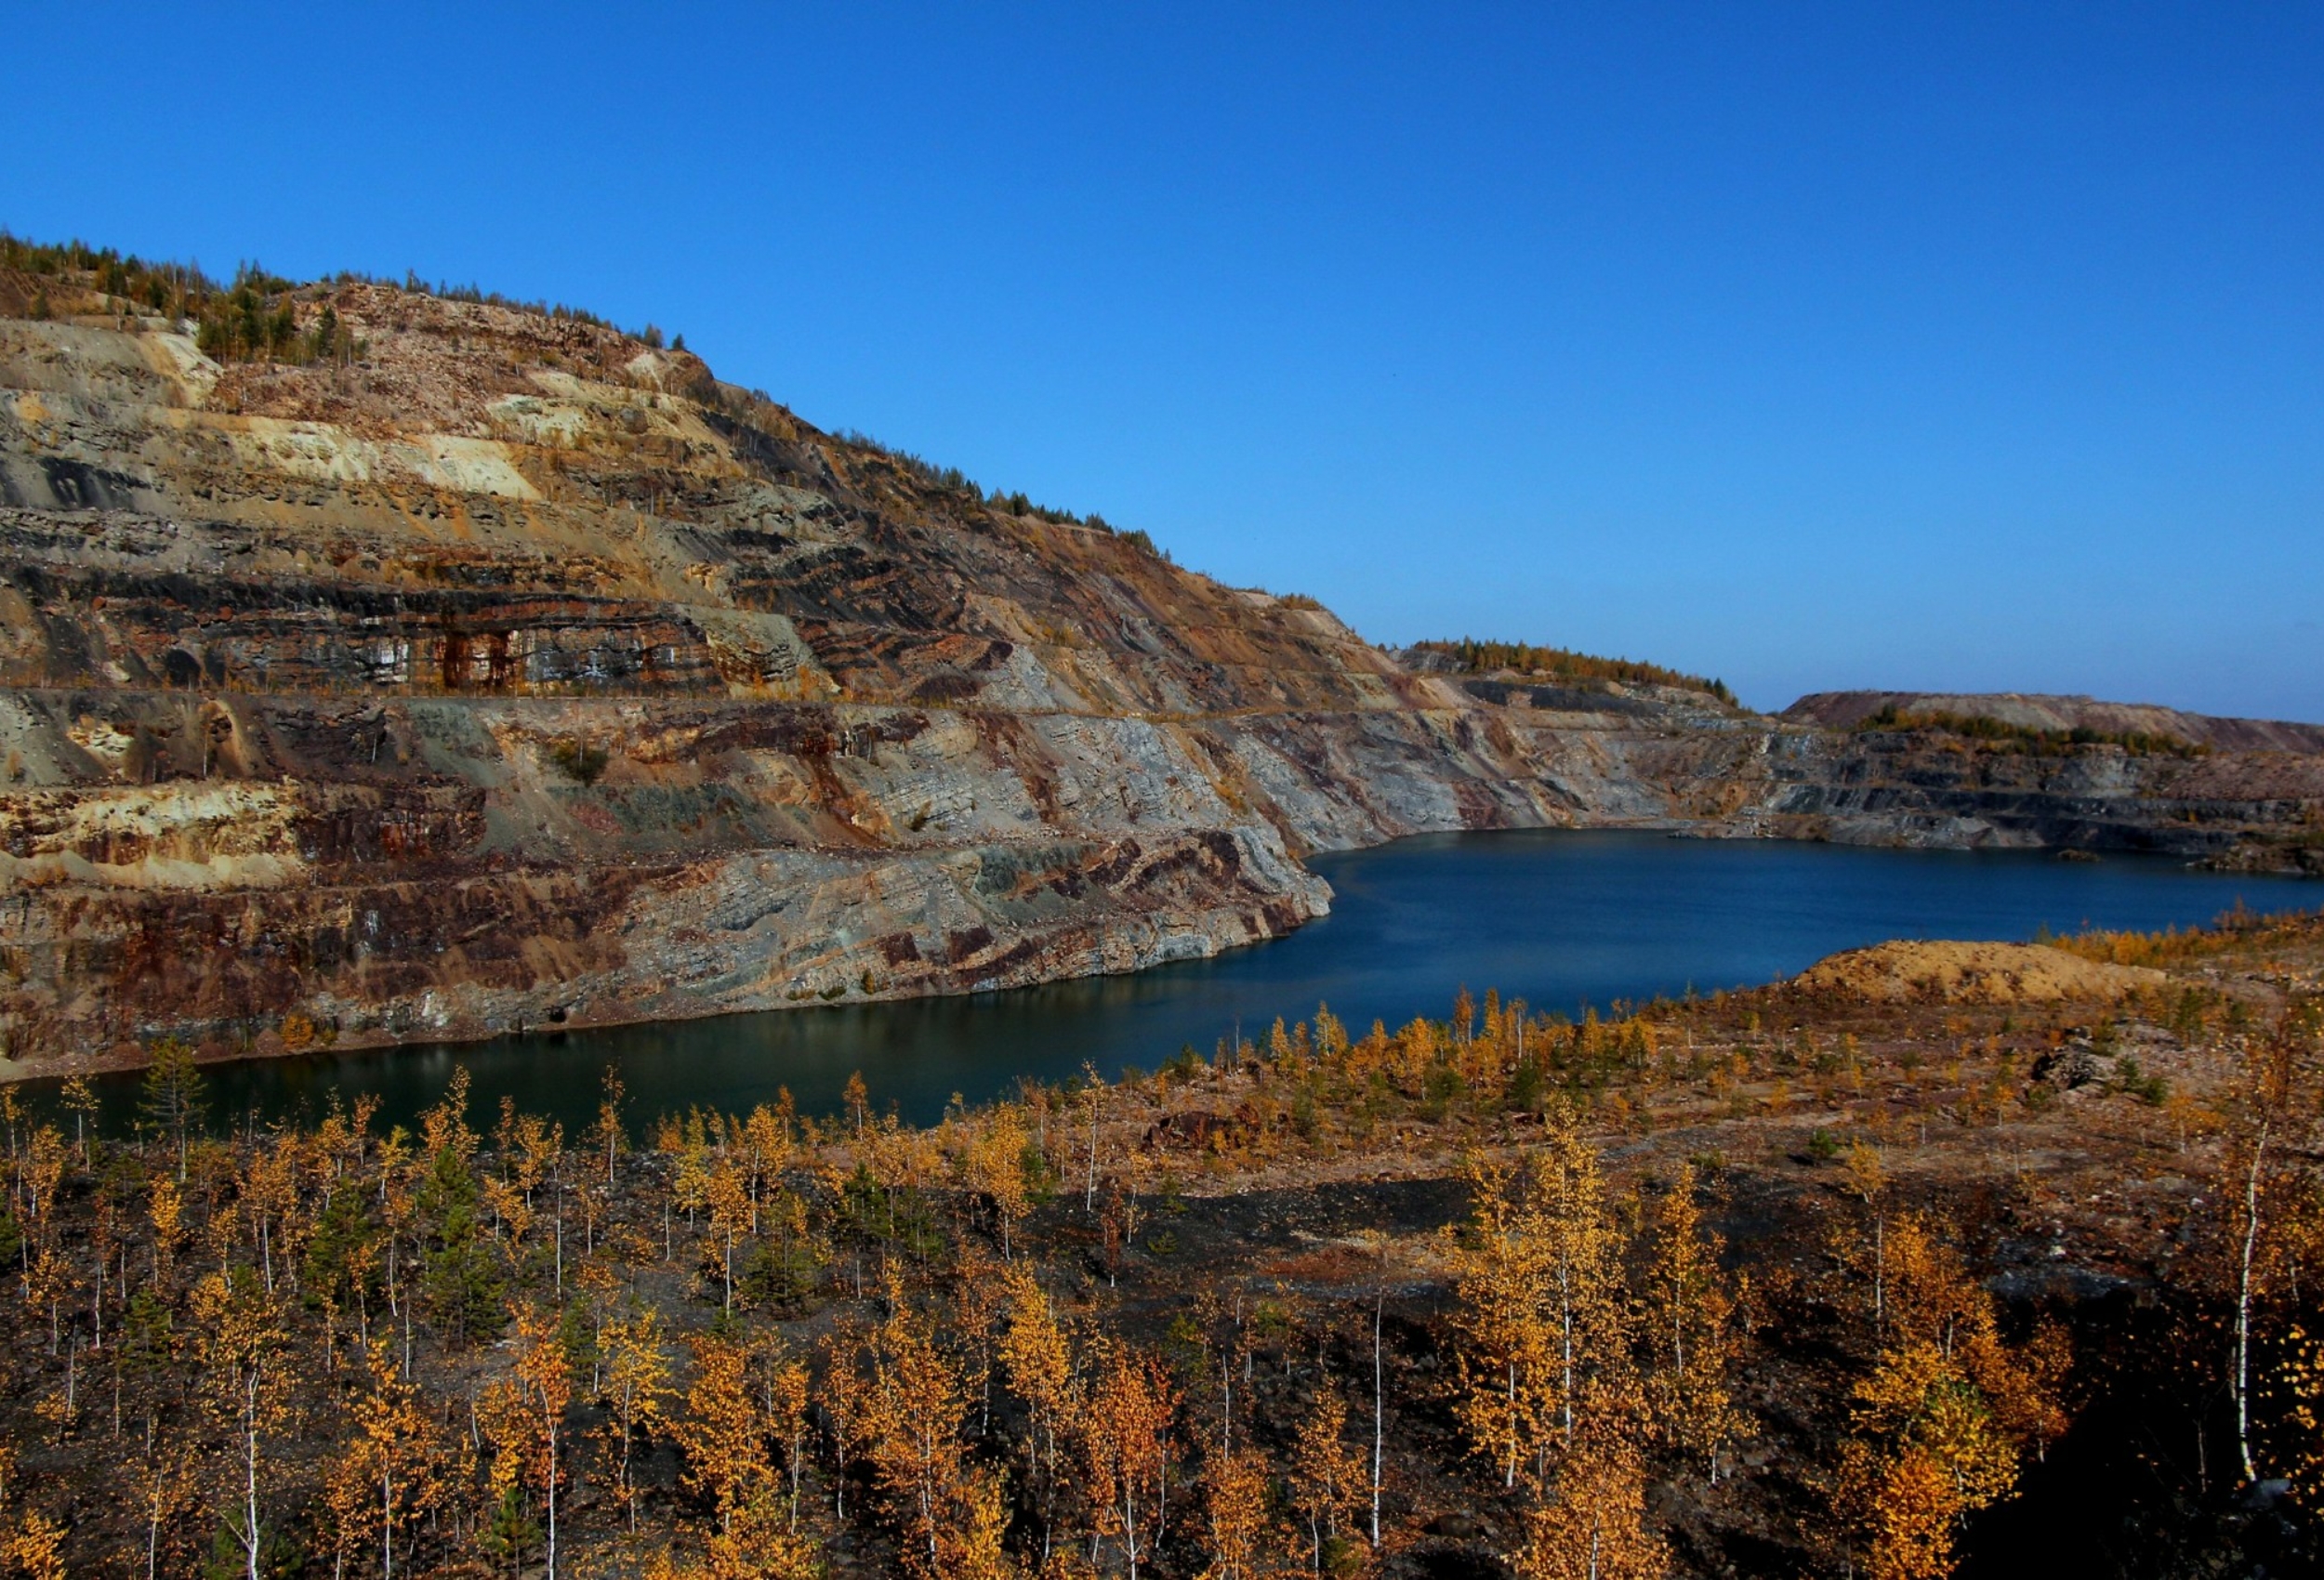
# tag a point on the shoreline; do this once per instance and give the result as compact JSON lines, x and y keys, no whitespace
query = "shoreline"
{"x":542,"y":1037}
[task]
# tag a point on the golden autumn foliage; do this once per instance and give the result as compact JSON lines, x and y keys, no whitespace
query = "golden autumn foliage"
{"x":1947,"y":1411}
{"x":727,"y":1460}
{"x":1685,"y":1324}
{"x":1541,"y":1301}
{"x":1117,"y":1329}
{"x":914,"y":1407}
{"x":1237,"y":1519}
{"x":1554,"y":1395}
{"x":1591,"y":1523}
{"x":386,"y":1478}
{"x":1126,"y":1449}
{"x":1327,"y":1475}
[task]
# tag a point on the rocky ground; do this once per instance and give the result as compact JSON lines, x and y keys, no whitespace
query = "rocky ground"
{"x":2071,"y":1118}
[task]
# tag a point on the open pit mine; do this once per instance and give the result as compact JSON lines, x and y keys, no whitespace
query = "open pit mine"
{"x":496,"y":670}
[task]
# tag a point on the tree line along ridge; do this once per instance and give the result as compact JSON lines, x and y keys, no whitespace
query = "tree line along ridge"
{"x":1469,"y":656}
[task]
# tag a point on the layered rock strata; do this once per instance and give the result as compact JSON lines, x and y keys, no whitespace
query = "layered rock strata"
{"x":516,"y":673}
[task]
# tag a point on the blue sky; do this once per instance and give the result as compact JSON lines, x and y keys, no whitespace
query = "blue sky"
{"x":1814,"y":346}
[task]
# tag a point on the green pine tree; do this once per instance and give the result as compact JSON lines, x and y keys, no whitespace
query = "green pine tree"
{"x":460,"y":1288}
{"x":173,"y":1101}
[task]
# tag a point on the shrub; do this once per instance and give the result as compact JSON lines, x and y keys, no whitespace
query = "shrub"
{"x":2002,"y":736}
{"x":581,"y":761}
{"x":2131,"y":1081}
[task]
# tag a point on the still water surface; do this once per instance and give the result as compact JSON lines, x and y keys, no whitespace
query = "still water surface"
{"x":1557,"y":918}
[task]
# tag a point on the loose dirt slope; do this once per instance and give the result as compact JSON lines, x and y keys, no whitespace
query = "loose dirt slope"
{"x":1972,"y":973}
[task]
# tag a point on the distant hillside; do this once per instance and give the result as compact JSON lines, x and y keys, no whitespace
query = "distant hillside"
{"x":2062,"y":715}
{"x":1518,"y":660}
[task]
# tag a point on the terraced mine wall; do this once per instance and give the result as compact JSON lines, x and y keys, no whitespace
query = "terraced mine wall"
{"x":516,"y":672}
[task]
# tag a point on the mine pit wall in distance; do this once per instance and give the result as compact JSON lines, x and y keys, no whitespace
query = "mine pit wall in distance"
{"x":426,"y":868}
{"x":520,"y":676}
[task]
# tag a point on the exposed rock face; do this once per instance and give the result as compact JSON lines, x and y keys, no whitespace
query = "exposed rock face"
{"x":1844,"y":710}
{"x":519,"y":673}
{"x":2253,"y":800}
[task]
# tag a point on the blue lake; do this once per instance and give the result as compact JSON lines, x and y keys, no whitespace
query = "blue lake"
{"x":1560,"y":919}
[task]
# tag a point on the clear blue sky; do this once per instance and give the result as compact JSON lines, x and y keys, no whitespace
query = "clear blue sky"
{"x":1811,"y":346}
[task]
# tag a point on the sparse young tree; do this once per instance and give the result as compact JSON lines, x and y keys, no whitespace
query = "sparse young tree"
{"x":166,"y":1488}
{"x":635,"y":1391}
{"x":1541,"y":1300}
{"x":730,"y":1214}
{"x":1038,"y":1361}
{"x":460,"y":1282}
{"x":238,"y":1328}
{"x":607,"y":1134}
{"x":1235,"y":1487}
{"x":380,"y":1484}
{"x":1126,"y":1432}
{"x":173,"y":1101}
{"x":1685,"y":1324}
{"x":996,"y":1171}
{"x":1591,"y":1527}
{"x":1327,"y":1475}
{"x":1947,"y":1411}
{"x":947,"y":1510}
{"x":723,"y":1434}
{"x":545,"y":1386}
{"x":787,"y":1417}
